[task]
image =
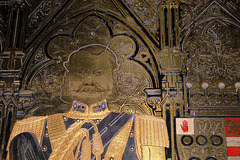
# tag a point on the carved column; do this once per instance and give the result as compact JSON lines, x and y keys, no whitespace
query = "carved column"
{"x":173,"y":69}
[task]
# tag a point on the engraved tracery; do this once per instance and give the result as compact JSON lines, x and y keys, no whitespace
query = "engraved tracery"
{"x":215,"y":56}
{"x":215,"y":59}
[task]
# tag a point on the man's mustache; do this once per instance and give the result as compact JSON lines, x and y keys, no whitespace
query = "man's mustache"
{"x":90,"y":87}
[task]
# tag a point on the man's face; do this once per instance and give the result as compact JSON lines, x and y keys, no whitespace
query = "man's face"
{"x":90,"y":76}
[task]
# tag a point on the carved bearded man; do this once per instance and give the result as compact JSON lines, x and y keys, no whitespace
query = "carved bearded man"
{"x":89,"y":130}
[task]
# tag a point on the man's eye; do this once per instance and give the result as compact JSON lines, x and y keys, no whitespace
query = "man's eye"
{"x":98,"y":73}
{"x":82,"y":72}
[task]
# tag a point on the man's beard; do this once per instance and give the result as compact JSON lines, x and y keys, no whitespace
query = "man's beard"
{"x":83,"y":92}
{"x":87,"y":92}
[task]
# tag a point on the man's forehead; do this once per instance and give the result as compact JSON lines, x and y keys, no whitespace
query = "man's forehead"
{"x":86,"y":59}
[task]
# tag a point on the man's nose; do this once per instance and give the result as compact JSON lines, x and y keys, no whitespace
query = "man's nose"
{"x":89,"y":81}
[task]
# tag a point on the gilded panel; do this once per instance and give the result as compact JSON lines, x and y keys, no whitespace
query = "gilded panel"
{"x":154,"y":64}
